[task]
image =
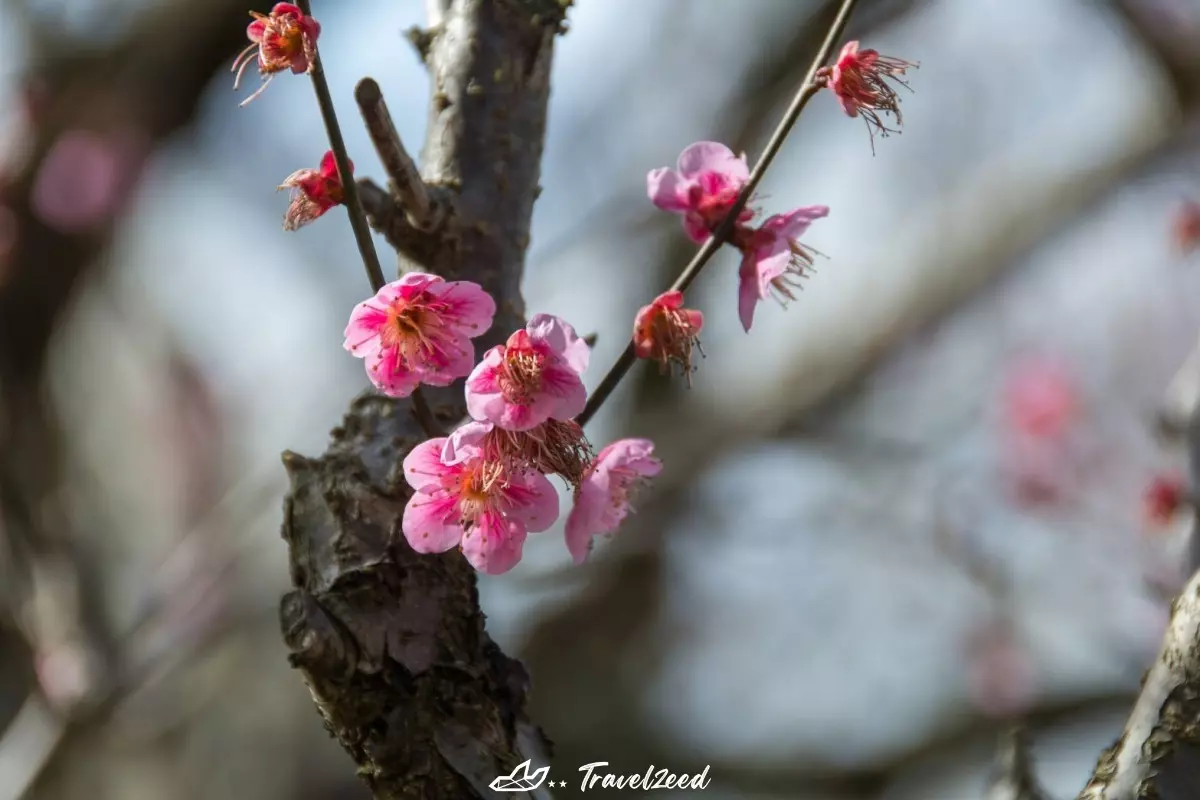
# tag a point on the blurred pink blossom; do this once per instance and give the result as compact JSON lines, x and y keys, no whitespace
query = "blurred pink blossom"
{"x":86,"y":178}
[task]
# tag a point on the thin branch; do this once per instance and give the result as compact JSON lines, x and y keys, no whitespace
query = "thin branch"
{"x":406,"y":182}
{"x":808,"y":88}
{"x":358,"y":220}
{"x":354,"y":207}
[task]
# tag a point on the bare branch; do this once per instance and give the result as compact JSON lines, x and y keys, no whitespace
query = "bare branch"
{"x":406,"y":183}
{"x":387,"y":217}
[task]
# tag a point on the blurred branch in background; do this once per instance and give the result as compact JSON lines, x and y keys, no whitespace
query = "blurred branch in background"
{"x":93,"y":116}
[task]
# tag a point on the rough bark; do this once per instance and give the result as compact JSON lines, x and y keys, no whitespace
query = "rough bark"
{"x":393,"y":644}
{"x":1158,"y":754}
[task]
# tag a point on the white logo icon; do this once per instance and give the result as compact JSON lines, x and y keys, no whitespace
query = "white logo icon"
{"x":520,"y":780}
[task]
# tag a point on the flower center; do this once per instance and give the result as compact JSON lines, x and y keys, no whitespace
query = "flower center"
{"x":521,"y":373}
{"x":284,"y":38}
{"x":412,"y":326}
{"x":477,"y":486}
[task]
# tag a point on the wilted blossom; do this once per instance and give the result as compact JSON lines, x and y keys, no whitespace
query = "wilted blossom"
{"x":860,"y":79}
{"x":703,"y":188}
{"x":419,"y":330}
{"x":533,"y":377}
{"x":666,"y":332}
{"x":555,"y":447}
{"x":481,"y":506}
{"x":602,"y":501}
{"x":773,"y":258}
{"x":284,"y":39}
{"x":314,"y":191}
{"x":1186,"y":226}
{"x":1163,"y":498}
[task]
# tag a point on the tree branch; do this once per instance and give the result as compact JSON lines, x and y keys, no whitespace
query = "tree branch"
{"x":1158,"y":754}
{"x":392,"y":644}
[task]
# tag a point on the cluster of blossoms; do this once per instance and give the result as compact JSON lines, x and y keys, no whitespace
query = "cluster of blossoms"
{"x":703,"y":189}
{"x":485,"y":487}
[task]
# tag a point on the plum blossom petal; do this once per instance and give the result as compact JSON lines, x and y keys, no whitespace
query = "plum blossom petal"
{"x":668,"y":189}
{"x":532,"y":501}
{"x":712,"y":157}
{"x":424,"y":467}
{"x":431,"y":524}
{"x":495,"y":545}
{"x":562,"y":338}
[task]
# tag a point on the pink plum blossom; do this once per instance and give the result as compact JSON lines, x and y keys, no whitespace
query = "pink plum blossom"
{"x":479,"y":505}
{"x":418,"y":330}
{"x":860,"y":78}
{"x":666,"y":332}
{"x":282,"y":40}
{"x":602,"y":501}
{"x":314,"y":191}
{"x":702,"y":189}
{"x":533,"y":377}
{"x":773,"y":258}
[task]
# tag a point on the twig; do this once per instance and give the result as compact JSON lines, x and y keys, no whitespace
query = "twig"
{"x":807,"y":89}
{"x":358,"y":220}
{"x":406,"y":183}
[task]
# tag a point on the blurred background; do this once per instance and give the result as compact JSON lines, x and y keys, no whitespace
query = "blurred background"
{"x":901,"y":513}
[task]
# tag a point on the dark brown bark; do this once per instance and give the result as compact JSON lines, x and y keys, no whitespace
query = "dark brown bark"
{"x":393,"y":644}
